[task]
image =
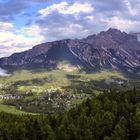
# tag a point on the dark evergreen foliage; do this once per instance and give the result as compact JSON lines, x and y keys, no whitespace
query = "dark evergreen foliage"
{"x":112,"y":115}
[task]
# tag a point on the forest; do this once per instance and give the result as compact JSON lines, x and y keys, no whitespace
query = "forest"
{"x":110,"y":115}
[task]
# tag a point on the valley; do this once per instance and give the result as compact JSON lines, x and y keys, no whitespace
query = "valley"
{"x":48,"y":91}
{"x":69,"y":70}
{"x":57,"y":76}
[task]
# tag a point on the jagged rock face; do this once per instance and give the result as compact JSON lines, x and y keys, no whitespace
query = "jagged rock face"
{"x":112,"y":49}
{"x":43,"y":55}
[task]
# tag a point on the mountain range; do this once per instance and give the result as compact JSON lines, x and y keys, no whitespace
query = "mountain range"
{"x":111,"y":49}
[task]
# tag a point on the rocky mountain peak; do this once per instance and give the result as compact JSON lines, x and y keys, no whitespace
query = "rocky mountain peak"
{"x":111,"y":49}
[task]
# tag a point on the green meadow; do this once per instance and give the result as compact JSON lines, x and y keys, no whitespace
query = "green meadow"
{"x":32,"y":85}
{"x":39,"y":81}
{"x":13,"y":110}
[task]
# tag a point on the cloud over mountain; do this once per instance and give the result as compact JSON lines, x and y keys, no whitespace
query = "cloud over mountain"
{"x":26,"y":23}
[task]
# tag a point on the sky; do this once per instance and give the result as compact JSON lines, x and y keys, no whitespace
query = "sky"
{"x":26,"y":23}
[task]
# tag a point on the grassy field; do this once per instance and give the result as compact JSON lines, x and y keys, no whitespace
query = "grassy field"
{"x":102,"y":75}
{"x":33,"y":85}
{"x":12,"y":110}
{"x":23,"y":75}
{"x":58,"y":76}
{"x":26,"y":79}
{"x":57,"y":79}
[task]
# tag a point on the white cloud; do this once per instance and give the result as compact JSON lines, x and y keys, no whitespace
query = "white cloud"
{"x":7,"y":51}
{"x":131,"y":10}
{"x":120,"y":23}
{"x":33,"y":31}
{"x":70,"y":31}
{"x":66,"y":8}
{"x":90,"y":18}
{"x":15,"y":41}
{"x":6,"y":26}
{"x":68,"y":19}
{"x":11,"y":39}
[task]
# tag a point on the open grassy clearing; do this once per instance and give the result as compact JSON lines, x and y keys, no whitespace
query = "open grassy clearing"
{"x":23,"y":75}
{"x":102,"y":75}
{"x":39,"y":90}
{"x":12,"y":110}
{"x":53,"y":79}
{"x":57,"y":79}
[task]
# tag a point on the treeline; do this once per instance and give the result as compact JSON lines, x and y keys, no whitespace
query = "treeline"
{"x":112,"y":115}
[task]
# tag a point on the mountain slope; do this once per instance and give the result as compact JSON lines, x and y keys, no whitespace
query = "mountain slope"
{"x":110,"y":49}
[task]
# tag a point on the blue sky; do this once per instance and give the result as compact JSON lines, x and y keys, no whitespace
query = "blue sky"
{"x":25,"y":23}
